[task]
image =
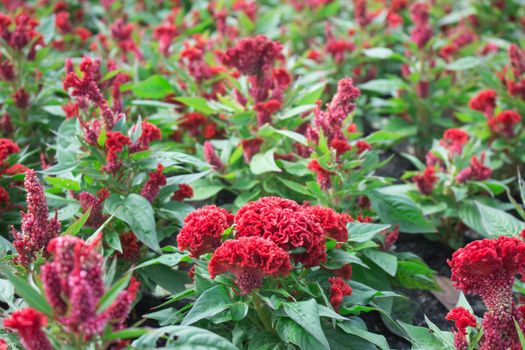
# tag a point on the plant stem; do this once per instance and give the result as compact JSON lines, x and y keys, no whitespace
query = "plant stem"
{"x":262,"y":312}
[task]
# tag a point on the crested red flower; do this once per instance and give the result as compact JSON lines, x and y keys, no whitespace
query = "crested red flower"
{"x":323,"y":175}
{"x":265,"y":111}
{"x":115,"y":142}
{"x":341,"y":146}
{"x":390,"y":238}
{"x":250,"y":259}
{"x":122,"y":32}
{"x":251,"y":147}
{"x":7,"y":70}
{"x":86,"y":86}
{"x":462,"y":319}
{"x":454,"y":140}
{"x":212,"y":157}
{"x":130,"y":247}
{"x":344,"y":272}
{"x":4,"y":197}
{"x":477,"y":171}
{"x":362,"y":146}
{"x":95,"y":203}
{"x":426,"y":180}
{"x":203,"y":229}
{"x":29,"y":323}
{"x":488,"y":268}
{"x":484,"y":102}
{"x":503,"y":124}
{"x":149,"y":133}
{"x":21,"y":98}
{"x":338,"y":290}
{"x":285,"y":223}
{"x":184,"y":192}
{"x":151,"y":188}
{"x":332,"y":223}
{"x":7,"y":147}
{"x":517,"y":60}
{"x":253,"y":56}
{"x":118,"y":311}
{"x":37,"y":229}
{"x":3,"y":344}
{"x":165,"y":33}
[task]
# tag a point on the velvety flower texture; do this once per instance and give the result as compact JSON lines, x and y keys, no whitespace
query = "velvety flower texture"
{"x":338,"y":290}
{"x":150,"y":133}
{"x":115,"y":142}
{"x":285,"y":223}
{"x":323,"y":176}
{"x":484,"y":102}
{"x":184,"y":192}
{"x":151,"y":188}
{"x":251,"y":147}
{"x":332,"y":223}
{"x":249,"y":259}
{"x":425,"y":181}
{"x":477,"y":170}
{"x":74,"y":283}
{"x":488,"y":268}
{"x":503,"y":124}
{"x":422,"y":32}
{"x":87,"y":201}
{"x":462,"y":319}
{"x":36,"y":230}
{"x":454,"y":140}
{"x":7,"y":147}
{"x":29,"y":323}
{"x":203,"y":229}
{"x":212,"y":157}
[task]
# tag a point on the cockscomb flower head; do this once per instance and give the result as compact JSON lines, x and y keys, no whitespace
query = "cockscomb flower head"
{"x":156,"y":180}
{"x":185,"y":191}
{"x":7,"y":147}
{"x":253,"y":56}
{"x":324,"y":177}
{"x":251,"y":147}
{"x":332,"y":223}
{"x":165,"y":33}
{"x":115,"y":142}
{"x":86,"y":86}
{"x":503,"y":124}
{"x":250,"y":259}
{"x":338,"y":290}
{"x":462,"y":319}
{"x":37,"y":229}
{"x":212,"y":157}
{"x":454,"y":140}
{"x":488,"y":268}
{"x":484,"y":102}
{"x":149,"y":133}
{"x":477,"y":171}
{"x":29,"y":323}
{"x":130,"y":247}
{"x":517,"y":60}
{"x":426,"y":180}
{"x":285,"y":223}
{"x":95,"y":203}
{"x":203,"y":229}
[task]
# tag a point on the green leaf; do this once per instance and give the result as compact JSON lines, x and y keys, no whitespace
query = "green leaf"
{"x":155,"y":87}
{"x":202,"y":192}
{"x":415,"y":274}
{"x":496,"y":222}
{"x":183,"y":338}
{"x":465,"y":63}
{"x":291,"y":332}
{"x":263,"y":163}
{"x":376,"y":339}
{"x":47,"y":28}
{"x":311,"y":97}
{"x":386,"y":261}
{"x":32,"y":297}
{"x":421,"y":337}
{"x":109,"y":297}
{"x":382,"y":86}
{"x":75,"y":227}
{"x":127,"y":333}
{"x":197,"y":103}
{"x":378,"y":52}
{"x":137,"y":212}
{"x":362,"y":232}
{"x":296,"y":111}
{"x":210,"y":303}
{"x":293,"y":135}
{"x":306,"y":314}
{"x":400,"y":210}
{"x":62,"y":183}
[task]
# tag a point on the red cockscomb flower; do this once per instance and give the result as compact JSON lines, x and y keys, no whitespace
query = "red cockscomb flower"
{"x":362,"y":146}
{"x":477,"y":170}
{"x":341,"y":146}
{"x":150,"y":132}
{"x":95,"y":203}
{"x":484,"y":102}
{"x":151,"y":188}
{"x":250,"y":259}
{"x":203,"y":229}
{"x":212,"y":158}
{"x":488,"y":268}
{"x":115,"y":142}
{"x":253,"y":56}
{"x":503,"y":124}
{"x":285,"y":223}
{"x":7,"y":147}
{"x":426,"y":180}
{"x":332,"y":223}
{"x":29,"y":323}
{"x":462,"y":319}
{"x":323,"y":175}
{"x":265,"y":110}
{"x":130,"y":247}
{"x":251,"y":147}
{"x":184,"y":192}
{"x":21,"y":98}
{"x":338,"y":290}
{"x":165,"y":33}
{"x":454,"y":140}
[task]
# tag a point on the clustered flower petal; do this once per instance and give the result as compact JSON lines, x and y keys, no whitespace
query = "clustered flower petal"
{"x":203,"y":229}
{"x":462,"y":319}
{"x":484,"y":102}
{"x":184,"y":192}
{"x":426,"y":180}
{"x":37,"y":229}
{"x":332,"y":223}
{"x":503,"y":124}
{"x":454,"y":140}
{"x":212,"y":157}
{"x":151,"y":188}
{"x":285,"y":223}
{"x":250,"y":259}
{"x":487,"y":268}
{"x":477,"y":171}
{"x":115,"y":142}
{"x":338,"y":290}
{"x":323,"y":176}
{"x":29,"y":323}
{"x":87,"y":201}
{"x":422,"y":32}
{"x":150,"y":133}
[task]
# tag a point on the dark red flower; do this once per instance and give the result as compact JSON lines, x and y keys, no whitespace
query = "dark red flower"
{"x":391,"y":238}
{"x":122,"y":33}
{"x":7,"y":147}
{"x":130,"y":247}
{"x":362,"y":146}
{"x":7,"y":70}
{"x":253,"y":56}
{"x":250,"y":259}
{"x":477,"y":171}
{"x":332,"y":223}
{"x":3,"y":345}
{"x":29,"y":323}
{"x":150,"y":133}
{"x":203,"y":229}
{"x":462,"y":319}
{"x":323,"y":176}
{"x":285,"y":223}
{"x":484,"y":101}
{"x":503,"y":124}
{"x":454,"y":140}
{"x":338,"y":290}
{"x":4,"y":197}
{"x":265,"y":111}
{"x":517,"y":60}
{"x":341,"y":146}
{"x":212,"y":158}
{"x":62,"y":22}
{"x":87,"y":86}
{"x":344,"y":272}
{"x":6,"y":125}
{"x":426,"y":180}
{"x":21,"y":98}
{"x":165,"y":33}
{"x":87,"y":201}
{"x":251,"y":147}
{"x":151,"y":188}
{"x":184,"y":192}
{"x":115,"y":142}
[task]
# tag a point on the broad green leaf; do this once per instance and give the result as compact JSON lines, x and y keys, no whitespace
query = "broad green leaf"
{"x":75,"y":227}
{"x":362,"y":232}
{"x":32,"y":296}
{"x":496,"y":222}
{"x":386,"y":261}
{"x":210,"y":303}
{"x":155,"y":87}
{"x":465,"y":63}
{"x":197,"y":103}
{"x":263,"y":163}
{"x":109,"y":297}
{"x":291,"y":332}
{"x":382,"y":86}
{"x":378,"y":52}
{"x":306,"y":314}
{"x":422,"y":338}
